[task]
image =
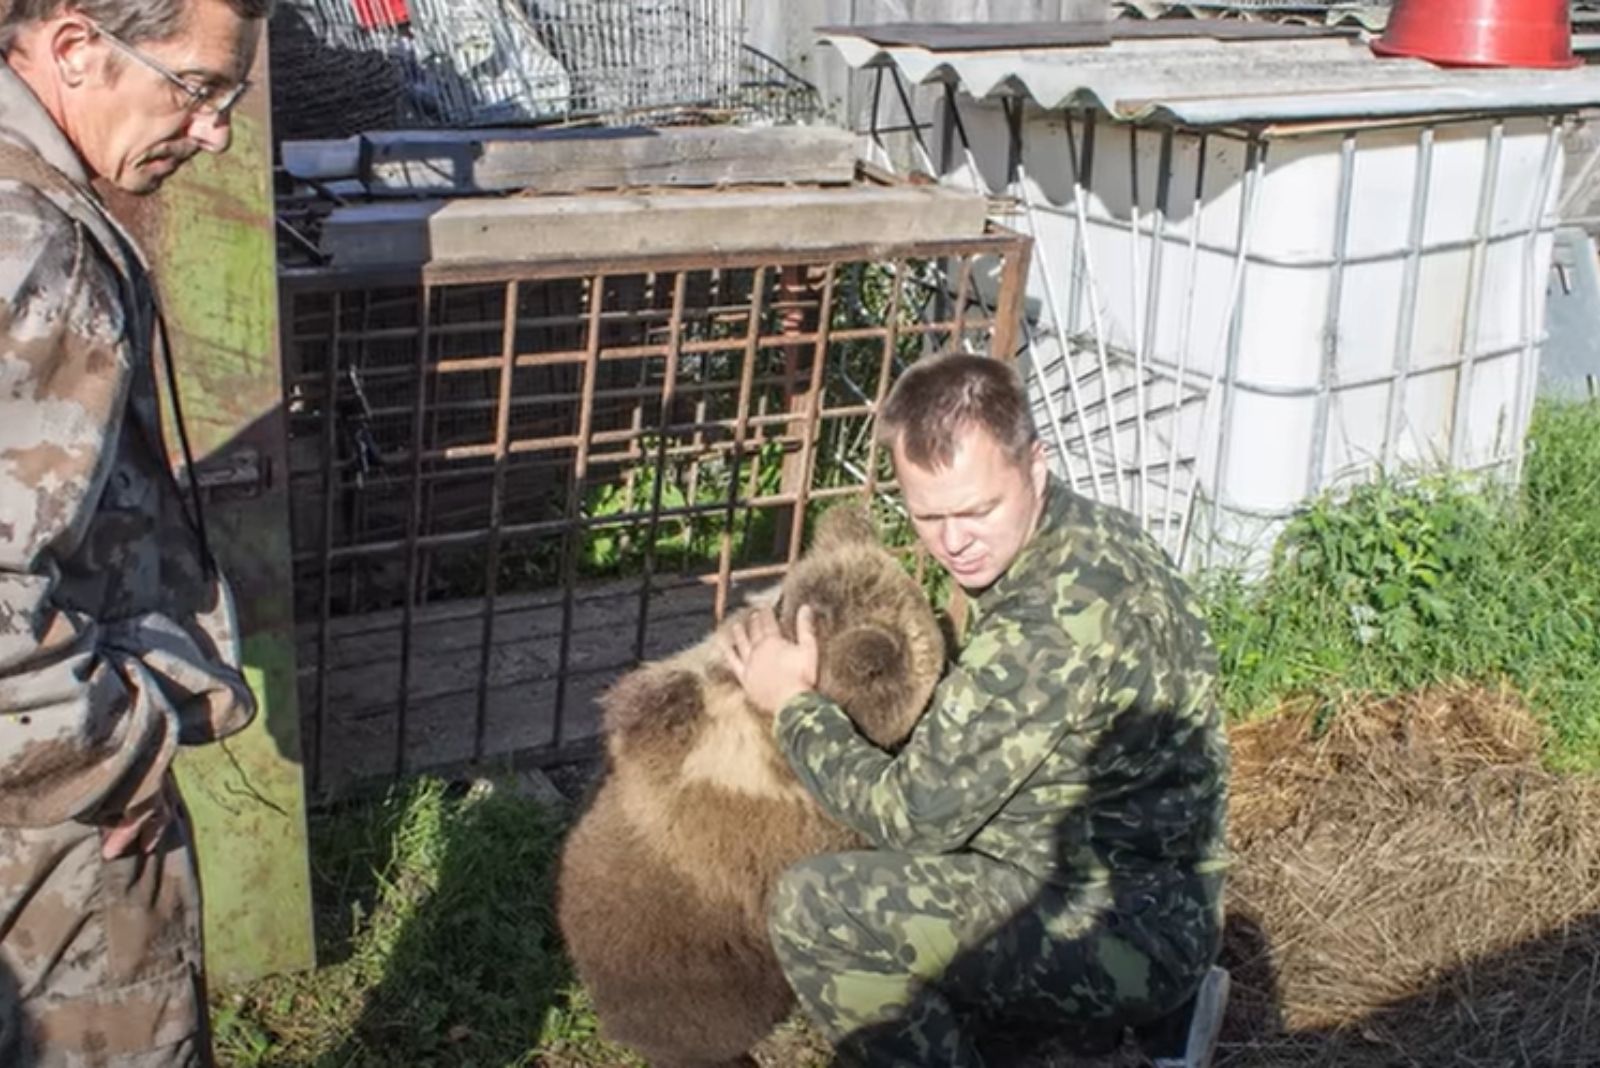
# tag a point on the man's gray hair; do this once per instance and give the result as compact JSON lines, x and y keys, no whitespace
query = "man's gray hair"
{"x":131,"y":20}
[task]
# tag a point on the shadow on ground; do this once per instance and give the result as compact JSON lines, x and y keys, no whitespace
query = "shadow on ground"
{"x":436,"y":937}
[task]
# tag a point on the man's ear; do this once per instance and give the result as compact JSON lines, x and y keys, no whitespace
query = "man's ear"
{"x":1038,"y":467}
{"x":69,"y":41}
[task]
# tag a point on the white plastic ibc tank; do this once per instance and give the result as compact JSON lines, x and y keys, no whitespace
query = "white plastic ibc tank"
{"x":1251,"y":319}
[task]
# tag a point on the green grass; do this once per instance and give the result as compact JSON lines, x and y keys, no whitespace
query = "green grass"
{"x":437,"y":943}
{"x":1394,"y":587}
{"x":435,"y":920}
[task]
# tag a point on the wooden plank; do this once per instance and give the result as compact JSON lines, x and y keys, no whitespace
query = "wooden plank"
{"x":209,"y":235}
{"x":442,"y":685}
{"x":629,"y":225}
{"x":462,"y":162}
{"x":440,"y":733}
{"x":322,"y":161}
{"x":567,"y":161}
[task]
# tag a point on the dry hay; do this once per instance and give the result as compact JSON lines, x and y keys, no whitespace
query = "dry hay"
{"x":1411,"y":887}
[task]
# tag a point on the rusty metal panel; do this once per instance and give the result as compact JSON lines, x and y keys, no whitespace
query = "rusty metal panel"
{"x":511,"y":483}
{"x":209,"y":235}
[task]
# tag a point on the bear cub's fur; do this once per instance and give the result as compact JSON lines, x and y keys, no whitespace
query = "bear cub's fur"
{"x":664,"y":881}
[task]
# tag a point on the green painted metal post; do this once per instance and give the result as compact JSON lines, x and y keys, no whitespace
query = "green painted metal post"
{"x":210,"y":236}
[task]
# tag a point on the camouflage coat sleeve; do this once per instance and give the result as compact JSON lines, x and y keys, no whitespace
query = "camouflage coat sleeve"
{"x":1001,"y":709}
{"x":1078,"y":736}
{"x":89,"y":716}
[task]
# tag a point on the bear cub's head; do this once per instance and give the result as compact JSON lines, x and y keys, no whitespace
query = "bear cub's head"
{"x":880,"y":645}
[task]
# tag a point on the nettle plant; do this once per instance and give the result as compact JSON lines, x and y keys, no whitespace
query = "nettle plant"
{"x":1386,"y":552}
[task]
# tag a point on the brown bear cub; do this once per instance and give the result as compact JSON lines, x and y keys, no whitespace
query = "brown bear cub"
{"x":664,"y":881}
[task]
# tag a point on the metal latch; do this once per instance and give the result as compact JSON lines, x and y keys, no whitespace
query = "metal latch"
{"x":238,"y":474}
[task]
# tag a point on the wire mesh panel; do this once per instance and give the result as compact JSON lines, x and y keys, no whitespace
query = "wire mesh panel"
{"x":510,"y":487}
{"x":1371,"y":13}
{"x":347,"y":66}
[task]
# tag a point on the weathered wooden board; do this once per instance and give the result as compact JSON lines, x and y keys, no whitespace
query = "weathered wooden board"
{"x":564,"y":161}
{"x":446,"y":666}
{"x":458,"y":162}
{"x":586,"y":227}
{"x":209,"y":234}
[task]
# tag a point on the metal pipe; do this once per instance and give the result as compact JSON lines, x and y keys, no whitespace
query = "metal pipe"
{"x":575,"y":485}
{"x":1136,"y":325}
{"x":1261,"y":389}
{"x":1185,"y":335}
{"x":956,"y":340}
{"x":747,"y":374}
{"x":1405,"y":331}
{"x":1472,"y":318}
{"x":1319,"y":263}
{"x":1533,"y":280}
{"x":1143,"y":305}
{"x":413,"y":533}
{"x":330,"y":406}
{"x":1018,"y":176}
{"x":1080,"y":235}
{"x":1081,"y":175}
{"x":885,"y":372}
{"x":911,"y":117}
{"x":497,"y":485}
{"x":813,"y":416}
{"x":1229,"y":335}
{"x":877,"y":106}
{"x":1327,"y":382}
{"x":1009,"y":308}
{"x":1152,"y":323}
{"x":669,"y":384}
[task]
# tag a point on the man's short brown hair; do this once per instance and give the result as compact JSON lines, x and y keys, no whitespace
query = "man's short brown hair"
{"x":939,"y":398}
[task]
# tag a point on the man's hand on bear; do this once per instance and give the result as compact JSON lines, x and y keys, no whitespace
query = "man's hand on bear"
{"x":771,"y":668}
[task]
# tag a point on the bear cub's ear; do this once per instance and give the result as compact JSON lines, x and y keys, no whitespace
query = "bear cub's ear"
{"x":844,"y":525}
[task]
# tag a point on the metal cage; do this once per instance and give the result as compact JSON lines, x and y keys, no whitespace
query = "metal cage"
{"x":1197,"y":361}
{"x":510,"y":485}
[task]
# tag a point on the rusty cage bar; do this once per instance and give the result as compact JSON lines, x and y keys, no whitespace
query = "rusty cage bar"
{"x":511,"y":484}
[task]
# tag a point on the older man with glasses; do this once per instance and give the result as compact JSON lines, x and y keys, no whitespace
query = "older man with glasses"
{"x":117,"y":635}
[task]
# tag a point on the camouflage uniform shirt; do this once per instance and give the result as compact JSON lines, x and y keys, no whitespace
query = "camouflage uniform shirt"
{"x":1076,"y":739}
{"x":116,"y":644}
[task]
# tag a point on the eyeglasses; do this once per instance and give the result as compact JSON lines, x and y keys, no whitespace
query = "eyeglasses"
{"x":199,"y":98}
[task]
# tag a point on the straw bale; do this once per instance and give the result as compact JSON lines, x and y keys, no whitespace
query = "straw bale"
{"x":1411,"y":887}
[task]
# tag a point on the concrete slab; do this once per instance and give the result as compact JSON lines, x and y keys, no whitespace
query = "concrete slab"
{"x":587,"y":227}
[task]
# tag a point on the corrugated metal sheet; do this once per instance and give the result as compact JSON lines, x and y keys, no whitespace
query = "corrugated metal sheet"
{"x":1196,"y":80}
{"x":1372,"y":14}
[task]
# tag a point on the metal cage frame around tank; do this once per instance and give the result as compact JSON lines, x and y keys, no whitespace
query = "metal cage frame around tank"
{"x":786,"y":331}
{"x":1119,"y":443}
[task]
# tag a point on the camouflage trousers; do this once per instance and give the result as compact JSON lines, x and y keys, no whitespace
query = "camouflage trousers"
{"x":100,"y":961}
{"x":909,"y":960}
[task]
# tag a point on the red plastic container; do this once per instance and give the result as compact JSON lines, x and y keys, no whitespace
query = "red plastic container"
{"x":1480,"y":33}
{"x":373,"y":14}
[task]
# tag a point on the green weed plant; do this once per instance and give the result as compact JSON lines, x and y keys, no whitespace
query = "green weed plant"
{"x":1397,"y":585}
